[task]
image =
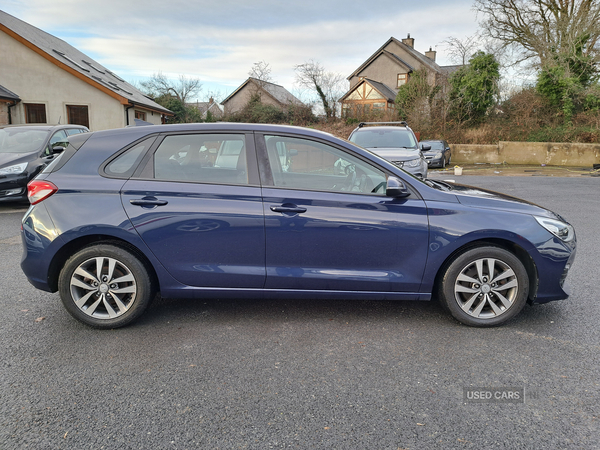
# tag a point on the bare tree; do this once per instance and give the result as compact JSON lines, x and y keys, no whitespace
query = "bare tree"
{"x":328,"y":85}
{"x":461,"y":50}
{"x":541,"y":29}
{"x":261,"y":70}
{"x":183,"y":90}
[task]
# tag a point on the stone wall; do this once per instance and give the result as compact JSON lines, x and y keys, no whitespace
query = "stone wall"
{"x":534,"y":153}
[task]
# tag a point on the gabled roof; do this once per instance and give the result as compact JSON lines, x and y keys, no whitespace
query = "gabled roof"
{"x":75,"y":62}
{"x":279,"y":93}
{"x":205,"y":107}
{"x":451,"y":69}
{"x":422,"y":58}
{"x":397,"y":59}
{"x":383,"y":89}
{"x":5,"y":94}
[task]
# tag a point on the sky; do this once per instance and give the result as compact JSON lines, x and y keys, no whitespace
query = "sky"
{"x":219,"y":41}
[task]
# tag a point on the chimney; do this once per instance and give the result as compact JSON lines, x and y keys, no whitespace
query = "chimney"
{"x":431,"y":54}
{"x":211,"y":100}
{"x":409,"y":41}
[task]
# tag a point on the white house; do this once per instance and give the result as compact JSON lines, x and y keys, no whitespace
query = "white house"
{"x":49,"y":81}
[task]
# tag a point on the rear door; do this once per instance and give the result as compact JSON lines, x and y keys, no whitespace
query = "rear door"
{"x":204,"y":223}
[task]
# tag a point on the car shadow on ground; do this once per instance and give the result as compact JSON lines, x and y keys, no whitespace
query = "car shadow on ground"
{"x":228,"y":312}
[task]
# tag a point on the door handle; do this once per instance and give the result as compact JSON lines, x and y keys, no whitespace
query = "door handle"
{"x":288,"y":209}
{"x":149,"y":201}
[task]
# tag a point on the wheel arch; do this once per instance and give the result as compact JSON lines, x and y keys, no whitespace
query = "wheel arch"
{"x":72,"y":247}
{"x":505,"y":244}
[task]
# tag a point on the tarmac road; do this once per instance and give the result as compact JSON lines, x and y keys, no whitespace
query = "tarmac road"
{"x":306,"y":374}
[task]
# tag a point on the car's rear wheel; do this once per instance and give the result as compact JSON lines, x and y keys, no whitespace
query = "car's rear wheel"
{"x":105,"y":286}
{"x":485,"y":286}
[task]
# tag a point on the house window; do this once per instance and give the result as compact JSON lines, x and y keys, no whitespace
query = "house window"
{"x":402,"y":79}
{"x":140,"y":115}
{"x":35,"y":113}
{"x":78,"y":115}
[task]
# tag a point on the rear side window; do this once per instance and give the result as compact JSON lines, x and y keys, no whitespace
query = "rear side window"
{"x":204,"y":158}
{"x":125,"y":164}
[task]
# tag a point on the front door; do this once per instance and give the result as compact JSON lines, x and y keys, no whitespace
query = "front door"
{"x":330,"y":226}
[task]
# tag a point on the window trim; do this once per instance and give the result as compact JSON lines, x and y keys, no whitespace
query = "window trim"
{"x":267,"y":174}
{"x":102,"y":169}
{"x":145,"y":169}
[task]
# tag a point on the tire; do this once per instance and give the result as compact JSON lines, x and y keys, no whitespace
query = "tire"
{"x":476,"y":299}
{"x":105,"y":286}
{"x":443,"y":162}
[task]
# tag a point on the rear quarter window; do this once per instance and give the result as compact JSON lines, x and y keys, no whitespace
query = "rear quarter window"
{"x":124,"y":165}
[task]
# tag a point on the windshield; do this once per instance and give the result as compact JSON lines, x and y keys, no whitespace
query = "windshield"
{"x":18,"y":140}
{"x":384,"y":138}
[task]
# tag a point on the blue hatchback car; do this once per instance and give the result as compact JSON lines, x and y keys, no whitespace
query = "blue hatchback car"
{"x":255,"y":211}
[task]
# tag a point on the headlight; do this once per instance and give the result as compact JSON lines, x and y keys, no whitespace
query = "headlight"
{"x":562,"y":230}
{"x":412,"y":163}
{"x":438,"y":155}
{"x":13,"y":170}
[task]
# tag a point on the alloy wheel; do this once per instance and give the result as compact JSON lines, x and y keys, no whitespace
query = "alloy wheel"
{"x":103,"y":287}
{"x":486,"y":288}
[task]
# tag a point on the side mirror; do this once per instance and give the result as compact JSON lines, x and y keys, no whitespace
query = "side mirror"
{"x":425,"y":147}
{"x":396,"y":188}
{"x":58,"y":149}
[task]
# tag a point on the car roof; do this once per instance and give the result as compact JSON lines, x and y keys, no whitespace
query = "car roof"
{"x":38,"y":126}
{"x":216,"y":127}
{"x":385,"y":127}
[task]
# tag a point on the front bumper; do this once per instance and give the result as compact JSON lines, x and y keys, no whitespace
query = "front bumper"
{"x":13,"y":188}
{"x":434,"y":162}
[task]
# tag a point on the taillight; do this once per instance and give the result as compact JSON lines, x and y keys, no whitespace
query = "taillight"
{"x":38,"y":190}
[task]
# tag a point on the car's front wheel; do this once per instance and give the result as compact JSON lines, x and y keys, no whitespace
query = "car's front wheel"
{"x":485,"y":286}
{"x":105,"y":286}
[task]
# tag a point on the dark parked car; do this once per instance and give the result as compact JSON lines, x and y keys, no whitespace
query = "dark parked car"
{"x":438,"y":154}
{"x":255,"y":211}
{"x":25,"y":150}
{"x":394,"y":141}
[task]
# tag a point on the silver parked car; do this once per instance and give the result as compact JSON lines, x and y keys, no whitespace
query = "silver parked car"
{"x":394,"y":141}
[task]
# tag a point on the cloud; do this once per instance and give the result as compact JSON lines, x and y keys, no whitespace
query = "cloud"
{"x":218,"y":43}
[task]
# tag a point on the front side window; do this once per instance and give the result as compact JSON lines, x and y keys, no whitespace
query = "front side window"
{"x":304,"y":164}
{"x":35,"y":113}
{"x":78,"y":115}
{"x":205,"y":158}
{"x":59,"y":139}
